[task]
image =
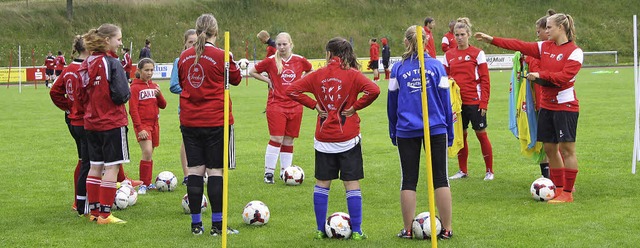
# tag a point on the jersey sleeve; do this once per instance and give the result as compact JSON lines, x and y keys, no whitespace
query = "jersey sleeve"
{"x":392,"y":102}
{"x":262,"y":65}
{"x":133,"y":109}
{"x":118,"y":83}
{"x":527,"y":48}
{"x":369,"y":90}
{"x":306,"y":65}
{"x":58,"y":95}
{"x":162,"y":103}
{"x":569,"y":71}
{"x":235,"y":77}
{"x":485,"y":86}
{"x":297,"y":89}
{"x":174,"y":82}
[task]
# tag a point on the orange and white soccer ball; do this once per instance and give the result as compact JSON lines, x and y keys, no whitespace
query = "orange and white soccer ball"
{"x":543,"y":189}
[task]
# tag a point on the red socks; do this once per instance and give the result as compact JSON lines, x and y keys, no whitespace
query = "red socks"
{"x":569,"y":179}
{"x":121,"y":176}
{"x":386,"y":74}
{"x":557,"y":176}
{"x":487,"y":151}
{"x":463,"y":155}
{"x":93,"y":194}
{"x":107,"y":194}
{"x":146,"y":171}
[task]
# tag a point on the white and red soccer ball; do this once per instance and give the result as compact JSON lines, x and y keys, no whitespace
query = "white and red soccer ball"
{"x":293,"y":175}
{"x":543,"y":189}
{"x":338,"y":226}
{"x":256,"y":213}
{"x":166,"y":181}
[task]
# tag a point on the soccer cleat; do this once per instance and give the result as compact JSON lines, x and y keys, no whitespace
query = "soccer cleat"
{"x":93,"y":218}
{"x":215,"y":231}
{"x":564,"y":197}
{"x":488,"y":176}
{"x":358,"y":236}
{"x":268,"y":178}
{"x":558,"y":191}
{"x":74,"y":207}
{"x":110,"y":220}
{"x":458,"y":175}
{"x":152,"y":187}
{"x":445,"y":234}
{"x":405,"y":234}
{"x":196,"y":228}
{"x":320,"y":235}
{"x":142,"y":190}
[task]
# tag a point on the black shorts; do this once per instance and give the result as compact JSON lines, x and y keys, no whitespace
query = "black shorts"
{"x":108,"y":147}
{"x":373,"y":64}
{"x":471,"y":114}
{"x":58,"y":72}
{"x":557,"y":126}
{"x":49,"y":72}
{"x":409,"y":150}
{"x":78,"y":134}
{"x":128,"y":74}
{"x":347,"y":165}
{"x":385,"y":63}
{"x":204,"y":146}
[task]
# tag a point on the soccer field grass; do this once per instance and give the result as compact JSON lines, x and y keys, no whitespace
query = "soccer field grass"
{"x":38,"y":156}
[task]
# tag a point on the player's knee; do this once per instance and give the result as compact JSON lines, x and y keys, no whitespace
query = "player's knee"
{"x":409,"y":185}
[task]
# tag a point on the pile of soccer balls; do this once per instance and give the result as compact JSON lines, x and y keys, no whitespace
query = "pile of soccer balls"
{"x":126,"y":196}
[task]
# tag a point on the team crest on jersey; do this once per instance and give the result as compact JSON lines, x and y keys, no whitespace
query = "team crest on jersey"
{"x":467,"y":58}
{"x":147,"y":94}
{"x":288,"y":76}
{"x":195,"y":75}
{"x":559,"y":57}
{"x":69,"y":89}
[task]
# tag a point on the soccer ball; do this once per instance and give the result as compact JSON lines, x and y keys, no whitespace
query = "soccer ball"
{"x":338,"y":226}
{"x":256,"y":213}
{"x":293,"y":175}
{"x":133,"y":194}
{"x":243,"y":63}
{"x":166,"y":181}
{"x":543,"y":189}
{"x":185,"y":204}
{"x":421,"y":226}
{"x":121,"y":200}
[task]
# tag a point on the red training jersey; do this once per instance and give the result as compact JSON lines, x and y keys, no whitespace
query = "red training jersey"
{"x":126,"y":62}
{"x":449,"y":42}
{"x":145,"y":104}
{"x":559,"y":65}
{"x":202,"y":97}
{"x":292,"y":70}
{"x":50,"y":63}
{"x":104,"y":91}
{"x":431,"y":45}
{"x":374,"y":51}
{"x":64,"y":94}
{"x":60,"y":63}
{"x":469,"y":69}
{"x":335,"y":89}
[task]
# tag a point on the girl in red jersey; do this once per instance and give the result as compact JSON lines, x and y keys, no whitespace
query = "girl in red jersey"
{"x":284,"y":115}
{"x":265,"y":38}
{"x":467,"y":65}
{"x":146,"y":100}
{"x":560,"y":61}
{"x":104,"y":91}
{"x":126,"y":62}
{"x":429,"y":25}
{"x":64,"y":95}
{"x":50,"y":65}
{"x":449,"y":39}
{"x":201,"y":75}
{"x":60,"y":63}
{"x":374,"y":57}
{"x":337,"y":138}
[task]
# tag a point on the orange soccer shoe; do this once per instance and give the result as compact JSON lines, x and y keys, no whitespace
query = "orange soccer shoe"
{"x":564,"y":197}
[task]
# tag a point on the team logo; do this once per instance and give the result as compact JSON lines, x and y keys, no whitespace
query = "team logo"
{"x":195,"y":75}
{"x":559,"y":57}
{"x":147,"y":94}
{"x":69,"y":89}
{"x":459,"y":57}
{"x":288,"y":76}
{"x":467,"y":58}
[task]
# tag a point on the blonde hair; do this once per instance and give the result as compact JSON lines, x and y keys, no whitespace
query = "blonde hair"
{"x":186,"y":37}
{"x":206,"y":27}
{"x":412,"y":38}
{"x":95,"y":39}
{"x":463,"y":22}
{"x":566,"y":21}
{"x":279,"y":63}
{"x":263,"y":35}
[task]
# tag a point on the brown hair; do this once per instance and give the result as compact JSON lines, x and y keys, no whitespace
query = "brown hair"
{"x":206,"y":27}
{"x":95,"y":39}
{"x":186,"y":36}
{"x":566,"y":21}
{"x":412,"y":38}
{"x":263,"y":35}
{"x":542,"y":22}
{"x":142,"y":63}
{"x":463,"y":22}
{"x":341,"y":48}
{"x":78,"y":45}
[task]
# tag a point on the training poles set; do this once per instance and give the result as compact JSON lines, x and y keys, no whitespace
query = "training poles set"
{"x":427,"y":139}
{"x":225,"y":156}
{"x":636,"y":136}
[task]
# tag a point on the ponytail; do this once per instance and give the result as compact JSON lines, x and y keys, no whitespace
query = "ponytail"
{"x":464,"y":22}
{"x":565,"y":21}
{"x":206,"y":27}
{"x":412,"y":38}
{"x":341,"y":48}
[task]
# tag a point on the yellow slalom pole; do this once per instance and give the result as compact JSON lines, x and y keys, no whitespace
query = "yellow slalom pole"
{"x":225,"y":149}
{"x":427,"y":139}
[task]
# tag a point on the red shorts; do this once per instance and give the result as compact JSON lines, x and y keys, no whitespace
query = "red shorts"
{"x":284,"y":124}
{"x":154,"y":133}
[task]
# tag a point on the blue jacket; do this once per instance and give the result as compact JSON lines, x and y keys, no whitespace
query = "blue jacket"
{"x":405,"y":99}
{"x":174,"y":83}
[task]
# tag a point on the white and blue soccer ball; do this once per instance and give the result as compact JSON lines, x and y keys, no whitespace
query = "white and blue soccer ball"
{"x":421,"y":226}
{"x":185,"y":204}
{"x":166,"y":181}
{"x":543,"y":189}
{"x":338,"y":226}
{"x":256,"y":213}
{"x":293,"y":175}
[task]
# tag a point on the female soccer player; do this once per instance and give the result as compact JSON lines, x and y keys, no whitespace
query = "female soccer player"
{"x":104,"y":91}
{"x":374,"y":56}
{"x":386,"y":55}
{"x":560,"y":62}
{"x":60,"y":63}
{"x":284,"y":115}
{"x":449,"y":39}
{"x":126,"y":62}
{"x":189,"y":39}
{"x":406,"y":129}
{"x":64,"y":95}
{"x":429,"y":25}
{"x":337,"y":139}
{"x":144,"y":108}
{"x":50,"y":65}
{"x":467,"y":65}
{"x":201,"y":74}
